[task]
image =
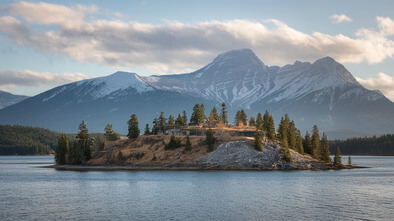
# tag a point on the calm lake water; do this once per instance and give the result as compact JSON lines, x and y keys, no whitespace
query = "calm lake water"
{"x":31,"y":193}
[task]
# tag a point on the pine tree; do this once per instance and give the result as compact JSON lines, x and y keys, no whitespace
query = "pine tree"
{"x":259,"y":122}
{"x":241,"y":118}
{"x":299,"y":147}
{"x":184,"y":119}
{"x":349,"y":160}
{"x":258,"y":143}
{"x":213,"y":118}
{"x":62,"y":150}
{"x":307,"y":144}
{"x":324,"y":149}
{"x":188,"y":145}
{"x":223,"y":114}
{"x":146,"y":132}
{"x":162,"y":121}
{"x":266,"y":121}
{"x":108,"y":131}
{"x":110,"y":134}
{"x":83,"y":140}
{"x":198,"y":115}
{"x":155,"y":128}
{"x":252,"y":122}
{"x":271,"y":128}
{"x":171,"y":121}
{"x":291,"y":135}
{"x":210,"y":140}
{"x":134,"y":131}
{"x":315,"y":142}
{"x":173,"y":144}
{"x":282,"y":129}
{"x":75,"y":153}
{"x":120,"y":155}
{"x":202,"y":114}
{"x":286,"y":155}
{"x":337,"y":158}
{"x":179,"y":121}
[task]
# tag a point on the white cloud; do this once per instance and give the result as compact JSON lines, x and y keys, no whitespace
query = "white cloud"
{"x":46,"y":13}
{"x":340,"y":18}
{"x":383,"y":82}
{"x":178,"y":47}
{"x":10,"y":79}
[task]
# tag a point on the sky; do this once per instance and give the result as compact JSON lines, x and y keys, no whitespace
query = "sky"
{"x":44,"y":44}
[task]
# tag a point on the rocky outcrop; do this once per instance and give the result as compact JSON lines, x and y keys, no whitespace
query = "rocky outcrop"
{"x":241,"y":155}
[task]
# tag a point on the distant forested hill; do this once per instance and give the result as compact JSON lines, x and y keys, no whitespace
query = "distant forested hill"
{"x":27,"y":140}
{"x":383,"y":145}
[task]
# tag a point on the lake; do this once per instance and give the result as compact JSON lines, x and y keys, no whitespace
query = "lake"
{"x":28,"y":192}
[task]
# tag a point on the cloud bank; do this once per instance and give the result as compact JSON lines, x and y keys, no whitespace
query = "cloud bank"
{"x":178,"y":47}
{"x":340,"y":18}
{"x":10,"y":79}
{"x":383,"y":82}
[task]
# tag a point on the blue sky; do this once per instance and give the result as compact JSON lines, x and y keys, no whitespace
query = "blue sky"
{"x":48,"y":43}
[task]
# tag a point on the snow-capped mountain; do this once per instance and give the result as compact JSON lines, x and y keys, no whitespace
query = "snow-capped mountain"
{"x":7,"y":99}
{"x":322,"y":93}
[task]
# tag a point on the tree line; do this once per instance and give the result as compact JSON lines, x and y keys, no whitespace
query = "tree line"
{"x":383,"y":145}
{"x":287,"y":133}
{"x":21,"y":140}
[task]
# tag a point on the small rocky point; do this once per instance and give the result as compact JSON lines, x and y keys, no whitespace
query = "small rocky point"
{"x":241,"y":155}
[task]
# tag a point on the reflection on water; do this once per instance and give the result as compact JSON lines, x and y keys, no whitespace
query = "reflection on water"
{"x":32,"y":193}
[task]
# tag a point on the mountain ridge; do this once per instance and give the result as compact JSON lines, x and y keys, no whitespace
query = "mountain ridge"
{"x":322,"y":93}
{"x":8,"y":99}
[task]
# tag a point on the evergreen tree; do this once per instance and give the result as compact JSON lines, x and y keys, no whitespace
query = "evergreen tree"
{"x":198,"y":115}
{"x":210,"y":140}
{"x":171,"y":121}
{"x":162,"y":121}
{"x":299,"y":147}
{"x":62,"y":149}
{"x":266,"y":121}
{"x":108,"y":131}
{"x":258,"y":143}
{"x":271,"y":128}
{"x":146,"y":132}
{"x":155,"y":128}
{"x":223,"y":114}
{"x":188,"y":145}
{"x":259,"y":122}
{"x":179,"y":121}
{"x":84,"y":142}
{"x":134,"y":131}
{"x":337,"y":158}
{"x":120,"y":155}
{"x":75,"y":156}
{"x":241,"y":118}
{"x":349,"y":160}
{"x":110,"y":134}
{"x":252,"y":122}
{"x":184,"y":118}
{"x":283,"y":129}
{"x":286,"y":155}
{"x":213,"y":118}
{"x":307,"y":144}
{"x":324,"y":149}
{"x":315,"y":142}
{"x":291,"y":135}
{"x":173,"y":144}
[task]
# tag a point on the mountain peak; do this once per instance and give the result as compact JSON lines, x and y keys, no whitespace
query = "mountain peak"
{"x":239,"y":55}
{"x":328,"y":66}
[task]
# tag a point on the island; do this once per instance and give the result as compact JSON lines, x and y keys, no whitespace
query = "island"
{"x":207,"y":145}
